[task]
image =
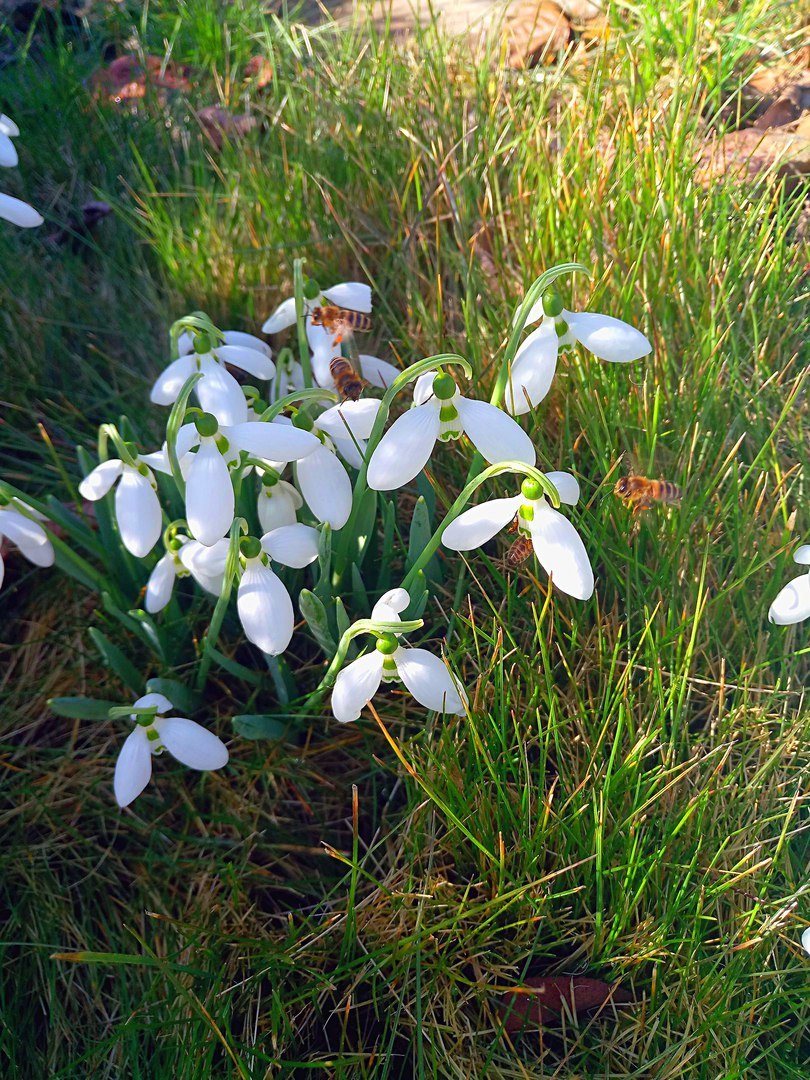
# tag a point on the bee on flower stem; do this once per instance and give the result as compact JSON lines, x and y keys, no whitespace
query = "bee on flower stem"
{"x":639,"y":493}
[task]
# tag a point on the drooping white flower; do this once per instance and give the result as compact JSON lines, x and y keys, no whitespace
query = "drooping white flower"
{"x":218,"y":392}
{"x":137,"y":507}
{"x":441,"y":412}
{"x":806,"y":940}
{"x":536,"y":360}
{"x":792,"y":604}
{"x":14,"y":210}
{"x":210,"y":501}
{"x":375,"y":371}
{"x":278,"y":503}
{"x":353,"y":295}
{"x":206,"y":565}
{"x":190,"y":743}
{"x":27,"y":535}
{"x":262,"y":601}
{"x":423,"y":673}
{"x":557,"y":544}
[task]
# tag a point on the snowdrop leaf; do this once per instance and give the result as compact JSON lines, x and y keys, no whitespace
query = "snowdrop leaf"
{"x":342,"y":619}
{"x":260,"y":726}
{"x":359,"y":594}
{"x":81,"y":708}
{"x":233,"y":667}
{"x":420,"y":532}
{"x":314,"y":613}
{"x":115,"y":660}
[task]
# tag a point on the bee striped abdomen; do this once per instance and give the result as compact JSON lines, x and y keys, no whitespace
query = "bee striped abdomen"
{"x":347,"y":382}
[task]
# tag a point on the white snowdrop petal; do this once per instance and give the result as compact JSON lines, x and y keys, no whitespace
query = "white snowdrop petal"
{"x":206,"y":564}
{"x":133,"y":767}
{"x":606,"y":337}
{"x":536,"y":312}
{"x":423,"y":388}
{"x":98,"y":482}
{"x":265,"y":608}
{"x":377,"y":372}
{"x":533,"y":370}
{"x":292,"y":545}
{"x":209,"y":495}
{"x":355,"y":417}
{"x":219,"y":393}
{"x":354,"y":295}
{"x":353,"y":454}
{"x":806,"y":940}
{"x":356,"y":685}
{"x":320,"y":361}
{"x":475,"y":526}
{"x":279,"y":442}
{"x":495,"y":435}
{"x":282,"y":317}
{"x":137,"y":512}
{"x":8,"y":127}
{"x":170,"y":381}
{"x":191,"y":743}
{"x":428,"y":679}
{"x":560,"y":551}
{"x":153,"y":701}
{"x":19,"y":213}
{"x":160,"y":585}
{"x":567,"y":486}
{"x":792,"y":604}
{"x":248,"y":341}
{"x":30,"y":538}
{"x":326,"y":487}
{"x":253,"y":361}
{"x":405,"y":448}
{"x":802,"y":555}
{"x":185,"y":343}
{"x":2,"y":569}
{"x":395,"y":600}
{"x":275,"y":508}
{"x":8,"y":153}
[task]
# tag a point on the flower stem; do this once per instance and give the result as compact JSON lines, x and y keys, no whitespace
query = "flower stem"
{"x":212,"y":634}
{"x":300,"y":321}
{"x":312,"y":394}
{"x":173,"y":426}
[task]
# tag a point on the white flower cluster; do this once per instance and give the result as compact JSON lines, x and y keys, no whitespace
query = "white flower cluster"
{"x":272,"y":479}
{"x":14,"y":210}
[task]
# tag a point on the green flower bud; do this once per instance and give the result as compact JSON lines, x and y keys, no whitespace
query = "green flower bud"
{"x":387,"y":644}
{"x":444,"y":386}
{"x":206,"y":425}
{"x":312,"y":289}
{"x":531,"y":489}
{"x":250,"y":547}
{"x":552,"y":303}
{"x":202,"y":344}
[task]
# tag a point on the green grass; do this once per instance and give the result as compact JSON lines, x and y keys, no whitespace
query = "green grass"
{"x":627,"y":797}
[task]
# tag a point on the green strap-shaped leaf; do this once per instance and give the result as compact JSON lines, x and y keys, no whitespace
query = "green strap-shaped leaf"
{"x":314,"y":612}
{"x":259,"y":726}
{"x":186,"y":700}
{"x":81,"y":708}
{"x":115,"y":659}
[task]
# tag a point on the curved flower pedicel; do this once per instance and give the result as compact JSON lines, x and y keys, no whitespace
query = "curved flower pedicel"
{"x":423,"y":673}
{"x":190,"y":743}
{"x":14,"y":210}
{"x":792,"y":605}
{"x":262,"y":601}
{"x":25,"y":534}
{"x":536,"y":360}
{"x":440,"y":412}
{"x":218,"y":392}
{"x":137,"y":507}
{"x":556,"y":543}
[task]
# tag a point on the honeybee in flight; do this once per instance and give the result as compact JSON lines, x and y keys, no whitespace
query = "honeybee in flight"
{"x":520,"y":550}
{"x":640,"y":493}
{"x":340,"y":321}
{"x":348,"y":382}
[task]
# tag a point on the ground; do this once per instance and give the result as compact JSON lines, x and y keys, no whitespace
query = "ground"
{"x":626,"y":799}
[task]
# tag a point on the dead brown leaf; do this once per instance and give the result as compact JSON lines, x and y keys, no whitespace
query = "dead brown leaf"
{"x":259,"y":71}
{"x":543,"y":998}
{"x":126,"y":78}
{"x":751,"y":154}
{"x":219,"y":124}
{"x":537,"y":32}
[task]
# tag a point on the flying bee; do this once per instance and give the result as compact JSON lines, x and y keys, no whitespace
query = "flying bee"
{"x":520,"y":549}
{"x":349,"y":383}
{"x":340,"y":321}
{"x":640,"y":493}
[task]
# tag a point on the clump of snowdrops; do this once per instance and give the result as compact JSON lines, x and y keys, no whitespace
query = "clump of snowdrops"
{"x":267,"y":508}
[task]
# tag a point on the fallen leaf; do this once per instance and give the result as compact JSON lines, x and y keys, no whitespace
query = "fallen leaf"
{"x":543,"y":998}
{"x":786,"y":109}
{"x":537,"y":32}
{"x":219,"y":124}
{"x":126,"y":78}
{"x":259,"y":71}
{"x":750,"y":154}
{"x":81,"y":225}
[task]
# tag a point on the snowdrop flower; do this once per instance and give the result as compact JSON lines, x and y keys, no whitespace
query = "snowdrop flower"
{"x":188,"y":742}
{"x":792,"y":605}
{"x":217,"y":391}
{"x":279,"y":502}
{"x":262,"y":601}
{"x":806,"y":940}
{"x":210,"y":502}
{"x":441,"y":412}
{"x":353,"y":295}
{"x":137,"y":507}
{"x":184,"y":558}
{"x":27,"y":535}
{"x":423,"y":673}
{"x":556,"y":542}
{"x":536,"y":359}
{"x":375,"y":371}
{"x":14,"y":210}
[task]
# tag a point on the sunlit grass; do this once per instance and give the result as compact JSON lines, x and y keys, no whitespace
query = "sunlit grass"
{"x":627,"y":796}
